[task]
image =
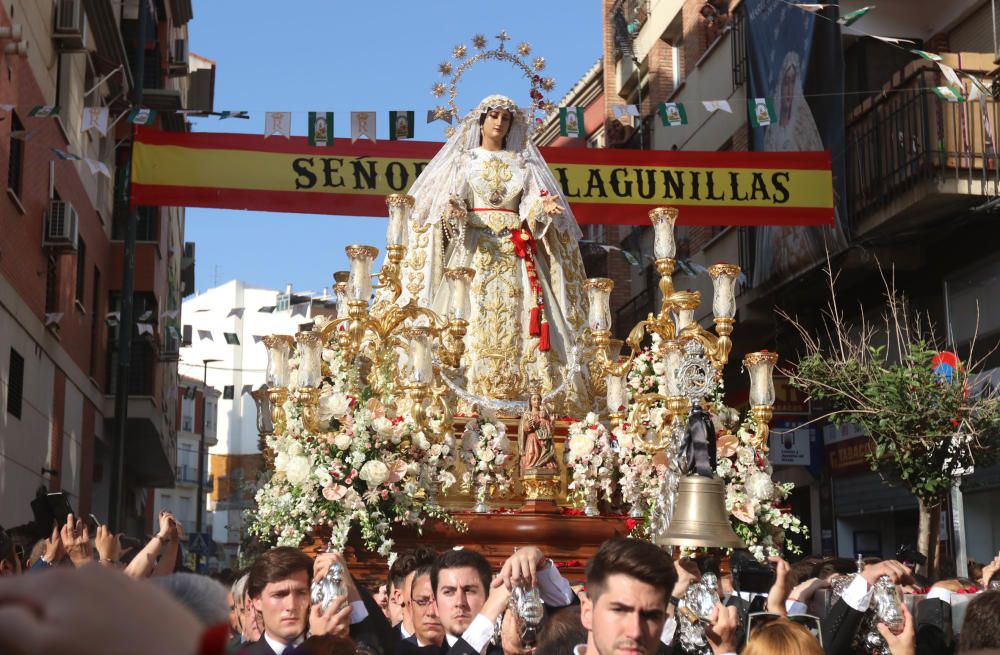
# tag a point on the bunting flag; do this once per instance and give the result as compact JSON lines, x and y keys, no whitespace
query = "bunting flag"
{"x":247,"y":388}
{"x":205,"y":335}
{"x":98,"y":167}
{"x":145,"y":328}
{"x":65,"y":156}
{"x":172,"y":331}
{"x":812,"y":6}
{"x":891,"y":39}
{"x":948,"y":93}
{"x":142,"y":116}
{"x":278,"y":123}
{"x":299,"y":309}
{"x":672,"y":113}
{"x":233,"y":114}
{"x":235,"y":311}
{"x":926,"y":55}
{"x":571,"y":122}
{"x":949,"y":74}
{"x":852,"y":17}
{"x":95,"y":118}
{"x":6,"y":107}
{"x":257,"y":338}
{"x":22,"y":135}
{"x":717,"y":105}
{"x":53,"y":318}
{"x":169,"y":314}
{"x":978,"y":90}
{"x":321,"y":128}
{"x":400,"y":125}
{"x":146,"y":315}
{"x":44,"y":111}
{"x":362,"y":125}
{"x":761,"y":112}
{"x":112,"y":318}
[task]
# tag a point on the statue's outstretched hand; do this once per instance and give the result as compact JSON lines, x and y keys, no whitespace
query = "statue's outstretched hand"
{"x":551,"y":207}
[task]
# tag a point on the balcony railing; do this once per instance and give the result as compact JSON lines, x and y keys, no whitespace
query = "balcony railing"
{"x":189,"y":475}
{"x":908,"y":136}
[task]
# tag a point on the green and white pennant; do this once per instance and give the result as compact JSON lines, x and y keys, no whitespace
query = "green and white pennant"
{"x":673,"y":113}
{"x":142,"y":116}
{"x":948,"y":93}
{"x":321,"y":128}
{"x":761,"y":112}
{"x":400,"y":125}
{"x":44,"y":111}
{"x":852,"y":17}
{"x":571,"y":122}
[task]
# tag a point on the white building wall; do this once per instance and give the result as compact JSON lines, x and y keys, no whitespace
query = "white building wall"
{"x":72,"y":443}
{"x":25,"y":443}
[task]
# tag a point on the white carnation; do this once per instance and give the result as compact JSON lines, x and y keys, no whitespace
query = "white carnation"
{"x":281,"y":461}
{"x":421,"y":441}
{"x":342,"y":441}
{"x":580,"y":445}
{"x":324,"y":477}
{"x":489,"y":430}
{"x":760,"y":486}
{"x":383,"y":426}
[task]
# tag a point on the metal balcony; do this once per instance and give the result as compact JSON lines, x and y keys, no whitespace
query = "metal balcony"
{"x":189,"y":475}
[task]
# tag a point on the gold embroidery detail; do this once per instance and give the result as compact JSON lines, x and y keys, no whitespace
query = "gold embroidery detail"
{"x":496,"y":173}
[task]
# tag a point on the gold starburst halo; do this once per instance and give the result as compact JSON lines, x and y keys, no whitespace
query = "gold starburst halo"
{"x":517,"y":57}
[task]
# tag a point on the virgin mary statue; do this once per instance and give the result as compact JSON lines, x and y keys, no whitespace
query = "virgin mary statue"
{"x":487,"y":201}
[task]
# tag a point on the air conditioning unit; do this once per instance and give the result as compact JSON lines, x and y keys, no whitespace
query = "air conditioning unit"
{"x":70,"y":24}
{"x":62,"y":225}
{"x":179,"y":57}
{"x":69,"y":17}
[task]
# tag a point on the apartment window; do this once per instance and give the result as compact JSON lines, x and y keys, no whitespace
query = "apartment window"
{"x":186,"y":330}
{"x":15,"y":384}
{"x":228,"y":392}
{"x":15,"y":160}
{"x":146,"y":225}
{"x":81,"y":269}
{"x":51,"y":284}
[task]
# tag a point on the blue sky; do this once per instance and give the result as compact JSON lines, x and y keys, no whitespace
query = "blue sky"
{"x":326,"y":55}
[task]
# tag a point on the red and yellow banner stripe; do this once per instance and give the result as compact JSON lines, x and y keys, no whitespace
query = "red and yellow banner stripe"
{"x":603,"y":186}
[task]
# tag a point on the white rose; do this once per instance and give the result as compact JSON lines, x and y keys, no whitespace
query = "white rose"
{"x":591,"y":418}
{"x":625,"y":440}
{"x":280,"y":461}
{"x":659,"y":367}
{"x":436,"y":450}
{"x":298,"y":470}
{"x":383,"y":426}
{"x":295,"y":449}
{"x":580,"y":445}
{"x":489,"y":430}
{"x":334,"y":405}
{"x":484,"y":454}
{"x":342,"y":441}
{"x":374,"y":473}
{"x":420,"y":439}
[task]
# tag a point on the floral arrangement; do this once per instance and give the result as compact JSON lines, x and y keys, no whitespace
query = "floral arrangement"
{"x":638,"y":473}
{"x":364,"y":466}
{"x":648,"y":371}
{"x":590,"y":458}
{"x":485,"y":451}
{"x":752,"y":497}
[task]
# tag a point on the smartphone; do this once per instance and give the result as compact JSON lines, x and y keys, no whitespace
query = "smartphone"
{"x":751,"y":576}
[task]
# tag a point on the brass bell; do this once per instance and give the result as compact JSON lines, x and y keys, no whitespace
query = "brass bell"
{"x":700,"y":518}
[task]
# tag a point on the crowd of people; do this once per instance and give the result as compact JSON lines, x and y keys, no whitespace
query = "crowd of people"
{"x":79,"y":593}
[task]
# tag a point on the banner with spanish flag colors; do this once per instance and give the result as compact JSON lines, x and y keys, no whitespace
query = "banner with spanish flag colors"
{"x":603,"y":186}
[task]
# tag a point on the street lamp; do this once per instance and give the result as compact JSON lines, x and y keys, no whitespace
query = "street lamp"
{"x":200,"y":504}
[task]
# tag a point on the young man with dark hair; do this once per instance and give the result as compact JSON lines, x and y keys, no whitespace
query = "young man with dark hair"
{"x":428,"y":633}
{"x":629,"y":582}
{"x":400,"y":583}
{"x":279,"y":588}
{"x":468,"y":603}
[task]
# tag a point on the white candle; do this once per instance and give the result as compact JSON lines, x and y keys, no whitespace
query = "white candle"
{"x":359,"y":285}
{"x":422,"y":369}
{"x":400,"y":205}
{"x":458,"y":288}
{"x":310,"y":359}
{"x":617,"y":398}
{"x":685,"y":317}
{"x":760,"y":367}
{"x":663,"y":219}
{"x":599,"y":295}
{"x":724,"y":282}
{"x":672,"y":359}
{"x":278,"y":348}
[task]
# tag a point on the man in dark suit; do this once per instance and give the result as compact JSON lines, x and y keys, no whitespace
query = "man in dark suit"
{"x":400,"y":584}
{"x":843,"y":620}
{"x":468,"y":603}
{"x":428,"y":633}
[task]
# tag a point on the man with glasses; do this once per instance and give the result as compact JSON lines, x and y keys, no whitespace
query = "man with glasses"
{"x":428,"y":632}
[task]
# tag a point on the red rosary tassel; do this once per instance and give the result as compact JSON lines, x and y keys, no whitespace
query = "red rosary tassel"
{"x":543,"y":338}
{"x":534,"y":322}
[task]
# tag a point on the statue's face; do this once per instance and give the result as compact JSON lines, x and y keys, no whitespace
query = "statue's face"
{"x":496,"y":124}
{"x":536,"y":401}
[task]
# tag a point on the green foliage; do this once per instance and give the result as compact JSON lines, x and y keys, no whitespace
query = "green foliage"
{"x":926,"y":431}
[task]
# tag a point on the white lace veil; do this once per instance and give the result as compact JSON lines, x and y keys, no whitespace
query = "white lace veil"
{"x":440,"y":179}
